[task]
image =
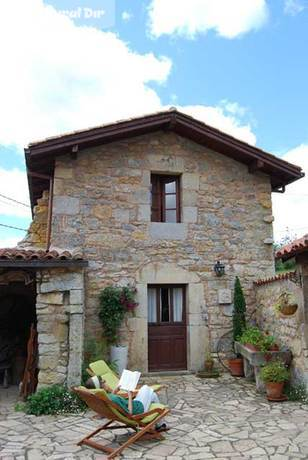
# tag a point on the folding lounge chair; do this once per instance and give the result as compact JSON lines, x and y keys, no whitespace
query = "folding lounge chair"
{"x":142,"y":424}
{"x":102,"y":369}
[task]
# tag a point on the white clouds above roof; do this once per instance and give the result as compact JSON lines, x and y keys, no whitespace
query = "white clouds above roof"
{"x":13,"y":183}
{"x":227,"y":18}
{"x":56,"y":76}
{"x":226,"y":117}
{"x":290,"y":208}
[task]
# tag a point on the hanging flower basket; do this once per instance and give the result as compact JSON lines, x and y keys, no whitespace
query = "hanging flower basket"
{"x":286,"y":304}
{"x":288,"y":310}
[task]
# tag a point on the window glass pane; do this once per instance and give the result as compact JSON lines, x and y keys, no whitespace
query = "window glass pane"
{"x":177,"y":304}
{"x":164,"y":305}
{"x":170,"y":216}
{"x":170,"y":201}
{"x":152,"y":311}
{"x":170,"y":186}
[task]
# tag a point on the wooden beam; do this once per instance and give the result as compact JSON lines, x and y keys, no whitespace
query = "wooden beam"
{"x":74,"y":152}
{"x":47,"y":263}
{"x":255,"y":166}
{"x":280,"y":189}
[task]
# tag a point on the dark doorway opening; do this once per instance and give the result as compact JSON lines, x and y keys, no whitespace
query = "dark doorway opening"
{"x":17,"y":313}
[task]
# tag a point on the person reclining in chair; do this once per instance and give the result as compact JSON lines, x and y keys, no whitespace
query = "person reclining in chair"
{"x":140,"y":404}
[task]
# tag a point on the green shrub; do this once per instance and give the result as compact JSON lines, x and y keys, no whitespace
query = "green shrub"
{"x":239,"y":310}
{"x":53,"y":400}
{"x":115,"y":301}
{"x":275,"y":371}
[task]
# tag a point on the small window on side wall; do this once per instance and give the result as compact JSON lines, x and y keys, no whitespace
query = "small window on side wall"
{"x":165,"y":198}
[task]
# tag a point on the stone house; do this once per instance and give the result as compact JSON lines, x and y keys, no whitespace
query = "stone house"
{"x":155,"y":202}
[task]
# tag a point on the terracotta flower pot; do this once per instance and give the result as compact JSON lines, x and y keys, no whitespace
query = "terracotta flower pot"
{"x":208,"y":365}
{"x":251,"y":347}
{"x":236,"y":367}
{"x":274,"y":389}
{"x":274,"y":347}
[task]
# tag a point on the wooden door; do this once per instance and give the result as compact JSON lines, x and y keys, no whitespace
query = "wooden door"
{"x":166,"y":327}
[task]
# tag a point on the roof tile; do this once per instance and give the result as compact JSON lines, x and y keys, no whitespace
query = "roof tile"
{"x":293,"y":248}
{"x":37,"y":254}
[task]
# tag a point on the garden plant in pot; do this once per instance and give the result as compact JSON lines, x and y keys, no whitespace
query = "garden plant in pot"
{"x":274,"y":374}
{"x":239,"y":325}
{"x":115,"y":303}
{"x":255,"y":340}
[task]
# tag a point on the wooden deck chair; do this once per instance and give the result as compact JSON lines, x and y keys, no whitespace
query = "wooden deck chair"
{"x":102,"y":369}
{"x":142,"y":424}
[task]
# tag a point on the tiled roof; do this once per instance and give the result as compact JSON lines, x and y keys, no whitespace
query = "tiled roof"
{"x":296,"y":247}
{"x":281,"y":276}
{"x":38,"y":254}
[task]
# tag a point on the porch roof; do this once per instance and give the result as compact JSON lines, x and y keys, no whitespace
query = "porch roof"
{"x":294,"y":248}
{"x":38,"y":258}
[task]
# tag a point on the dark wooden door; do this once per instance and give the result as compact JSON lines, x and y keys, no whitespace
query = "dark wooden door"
{"x":166,"y":327}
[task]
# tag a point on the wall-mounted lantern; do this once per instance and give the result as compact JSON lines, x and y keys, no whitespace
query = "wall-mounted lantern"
{"x":219,"y":268}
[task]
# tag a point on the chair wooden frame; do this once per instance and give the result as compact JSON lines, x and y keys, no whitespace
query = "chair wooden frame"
{"x":119,"y":419}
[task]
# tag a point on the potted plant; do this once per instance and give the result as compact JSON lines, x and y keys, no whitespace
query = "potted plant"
{"x":208,"y":362}
{"x":115,"y":303}
{"x":274,"y":374}
{"x":254,"y":339}
{"x":239,"y":325}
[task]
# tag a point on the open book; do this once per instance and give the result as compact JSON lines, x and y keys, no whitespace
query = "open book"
{"x":129,"y":380}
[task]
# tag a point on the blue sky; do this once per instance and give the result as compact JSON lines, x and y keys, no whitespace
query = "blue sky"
{"x":241,"y":66}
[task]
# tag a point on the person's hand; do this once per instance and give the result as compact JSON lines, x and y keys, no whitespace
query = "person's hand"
{"x":116,"y":390}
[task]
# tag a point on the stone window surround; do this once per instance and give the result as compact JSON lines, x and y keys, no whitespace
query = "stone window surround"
{"x":158,"y":182}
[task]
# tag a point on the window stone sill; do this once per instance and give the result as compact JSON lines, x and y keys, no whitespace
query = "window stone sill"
{"x":168,"y":231}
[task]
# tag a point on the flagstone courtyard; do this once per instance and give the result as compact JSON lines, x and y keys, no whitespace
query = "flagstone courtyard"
{"x":210,"y":419}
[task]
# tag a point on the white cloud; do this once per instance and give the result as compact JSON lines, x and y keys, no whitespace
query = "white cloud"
{"x":222,"y":118}
{"x":127,"y":16}
{"x":10,"y":241}
{"x":290,"y":208}
{"x":56,"y":76}
{"x":293,"y":7}
{"x":13,"y":183}
{"x":227,"y":18}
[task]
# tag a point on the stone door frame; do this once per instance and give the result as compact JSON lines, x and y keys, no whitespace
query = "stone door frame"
{"x":197,"y":330}
{"x":60,"y":325}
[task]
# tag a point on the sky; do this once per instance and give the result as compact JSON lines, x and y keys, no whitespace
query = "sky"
{"x":241,"y":66}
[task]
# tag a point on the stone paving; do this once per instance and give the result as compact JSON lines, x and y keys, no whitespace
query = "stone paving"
{"x":210,"y":419}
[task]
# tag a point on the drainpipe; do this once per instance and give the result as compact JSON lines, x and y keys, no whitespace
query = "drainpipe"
{"x":50,"y":201}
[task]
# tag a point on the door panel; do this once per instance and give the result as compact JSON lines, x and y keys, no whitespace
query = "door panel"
{"x":167,"y":327}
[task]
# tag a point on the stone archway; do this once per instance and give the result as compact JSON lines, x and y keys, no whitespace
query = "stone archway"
{"x":197,"y":331}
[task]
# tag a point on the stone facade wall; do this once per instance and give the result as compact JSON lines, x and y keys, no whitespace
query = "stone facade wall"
{"x":102,"y":206}
{"x":289,"y":330}
{"x":37,"y":232}
{"x":60,"y":325}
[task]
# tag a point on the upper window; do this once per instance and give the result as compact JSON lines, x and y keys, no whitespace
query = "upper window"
{"x":165,"y":198}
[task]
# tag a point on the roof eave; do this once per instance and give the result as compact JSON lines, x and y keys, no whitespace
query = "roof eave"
{"x":44,"y":152}
{"x":40,"y":264}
